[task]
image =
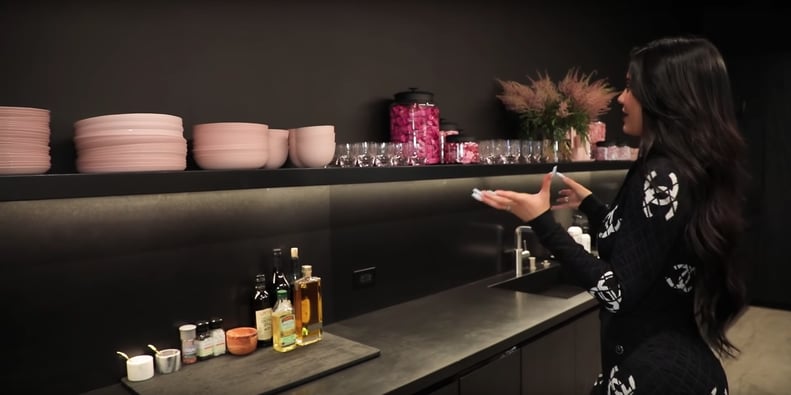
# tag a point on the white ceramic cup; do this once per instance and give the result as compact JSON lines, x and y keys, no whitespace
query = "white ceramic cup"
{"x":140,"y":368}
{"x":168,"y":360}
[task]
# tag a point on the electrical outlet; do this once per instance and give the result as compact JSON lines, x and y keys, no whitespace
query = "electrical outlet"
{"x":364,"y":278}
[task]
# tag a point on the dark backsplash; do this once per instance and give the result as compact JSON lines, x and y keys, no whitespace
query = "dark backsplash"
{"x":117,"y":273}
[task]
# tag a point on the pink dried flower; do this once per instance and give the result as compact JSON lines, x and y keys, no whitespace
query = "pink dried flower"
{"x":542,"y":105}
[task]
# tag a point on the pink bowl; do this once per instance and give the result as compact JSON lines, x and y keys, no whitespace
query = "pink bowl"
{"x":230,"y":133}
{"x":232,"y":159}
{"x":129,"y":118}
{"x":278,"y":152}
{"x":128,"y":132}
{"x":315,"y":154}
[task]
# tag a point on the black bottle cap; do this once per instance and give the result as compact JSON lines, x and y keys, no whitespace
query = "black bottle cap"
{"x":216,"y":323}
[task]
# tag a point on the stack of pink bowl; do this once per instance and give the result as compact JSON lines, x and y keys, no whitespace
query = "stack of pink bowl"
{"x":130,"y":142}
{"x":311,"y":146}
{"x":278,"y":148}
{"x":24,"y":140}
{"x":230,"y":145}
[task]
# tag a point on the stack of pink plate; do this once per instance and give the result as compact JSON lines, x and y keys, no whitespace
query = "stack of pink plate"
{"x":24,"y":140}
{"x":230,"y":145}
{"x":130,"y":142}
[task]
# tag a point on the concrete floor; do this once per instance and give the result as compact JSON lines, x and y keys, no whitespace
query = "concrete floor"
{"x":764,"y":365}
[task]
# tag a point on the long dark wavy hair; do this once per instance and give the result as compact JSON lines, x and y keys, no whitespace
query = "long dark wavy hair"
{"x":688,"y":116}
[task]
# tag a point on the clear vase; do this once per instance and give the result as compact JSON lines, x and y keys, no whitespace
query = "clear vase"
{"x":550,"y":151}
{"x":564,"y":150}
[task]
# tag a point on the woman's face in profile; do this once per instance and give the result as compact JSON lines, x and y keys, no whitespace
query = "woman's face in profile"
{"x":632,"y":111}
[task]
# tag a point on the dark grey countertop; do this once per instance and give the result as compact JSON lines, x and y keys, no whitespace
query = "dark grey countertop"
{"x":427,"y":340}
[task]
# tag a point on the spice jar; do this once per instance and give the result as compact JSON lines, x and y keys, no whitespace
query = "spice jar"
{"x":189,"y":351}
{"x":461,"y":149}
{"x":414,"y":119}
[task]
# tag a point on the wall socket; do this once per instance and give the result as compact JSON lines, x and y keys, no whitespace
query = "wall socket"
{"x":364,"y":278}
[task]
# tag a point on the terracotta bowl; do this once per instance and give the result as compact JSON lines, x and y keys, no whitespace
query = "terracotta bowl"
{"x":242,"y":340}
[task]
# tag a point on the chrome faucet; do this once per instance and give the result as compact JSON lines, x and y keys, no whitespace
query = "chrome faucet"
{"x":521,"y":252}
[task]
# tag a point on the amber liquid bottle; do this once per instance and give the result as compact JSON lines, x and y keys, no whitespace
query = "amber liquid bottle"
{"x":307,"y":307}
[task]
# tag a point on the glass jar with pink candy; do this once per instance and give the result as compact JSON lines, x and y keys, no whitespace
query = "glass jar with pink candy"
{"x":414,"y":118}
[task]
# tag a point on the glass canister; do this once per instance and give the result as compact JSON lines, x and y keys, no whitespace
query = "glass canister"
{"x":461,"y":149}
{"x":414,"y":118}
{"x":446,"y":128}
{"x":602,"y":151}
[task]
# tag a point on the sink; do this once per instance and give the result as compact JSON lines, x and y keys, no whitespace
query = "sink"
{"x":545,"y":280}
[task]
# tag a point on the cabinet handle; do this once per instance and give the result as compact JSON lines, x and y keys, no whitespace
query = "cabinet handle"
{"x":510,"y":351}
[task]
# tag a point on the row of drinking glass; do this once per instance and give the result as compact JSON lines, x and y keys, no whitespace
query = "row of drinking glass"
{"x":506,"y":152}
{"x":388,"y":154}
{"x":377,"y":154}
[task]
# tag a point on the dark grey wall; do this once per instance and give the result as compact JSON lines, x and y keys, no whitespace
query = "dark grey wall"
{"x":759,"y":60}
{"x":85,"y":277}
{"x":291,"y":64}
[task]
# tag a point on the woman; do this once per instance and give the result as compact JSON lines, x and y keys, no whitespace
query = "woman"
{"x":665,"y":279}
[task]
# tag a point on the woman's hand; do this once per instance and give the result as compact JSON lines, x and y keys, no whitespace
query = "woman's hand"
{"x":526,"y":206}
{"x":572,"y":196}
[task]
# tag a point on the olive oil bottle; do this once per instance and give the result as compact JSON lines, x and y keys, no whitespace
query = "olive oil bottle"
{"x":308,"y":307}
{"x":284,"y":336}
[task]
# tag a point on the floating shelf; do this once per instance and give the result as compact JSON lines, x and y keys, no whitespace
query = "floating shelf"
{"x":59,"y":186}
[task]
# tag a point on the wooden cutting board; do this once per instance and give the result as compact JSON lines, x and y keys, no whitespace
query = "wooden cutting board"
{"x":265,"y":371}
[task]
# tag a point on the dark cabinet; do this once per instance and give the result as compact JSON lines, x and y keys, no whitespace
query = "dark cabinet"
{"x":587,"y":352}
{"x":500,"y":376}
{"x":548,"y":363}
{"x":451,"y":388}
{"x":564,"y":361}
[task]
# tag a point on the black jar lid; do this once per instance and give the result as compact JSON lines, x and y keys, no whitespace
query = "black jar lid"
{"x":460,"y":138}
{"x":413,"y":95}
{"x":444,"y":124}
{"x":605,"y":143}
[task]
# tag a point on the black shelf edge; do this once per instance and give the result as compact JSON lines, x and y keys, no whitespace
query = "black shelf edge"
{"x":61,"y":186}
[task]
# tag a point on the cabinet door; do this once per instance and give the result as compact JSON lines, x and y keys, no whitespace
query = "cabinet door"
{"x":548,"y":363}
{"x":587,"y":354}
{"x":500,"y":377}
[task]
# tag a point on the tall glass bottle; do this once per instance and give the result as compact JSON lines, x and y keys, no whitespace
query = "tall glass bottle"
{"x":283,"y":325}
{"x":308,"y":307}
{"x":295,"y":266}
{"x":278,"y":280}
{"x":262,"y":306}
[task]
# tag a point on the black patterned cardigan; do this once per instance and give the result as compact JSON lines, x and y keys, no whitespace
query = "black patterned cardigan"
{"x":644,"y":282}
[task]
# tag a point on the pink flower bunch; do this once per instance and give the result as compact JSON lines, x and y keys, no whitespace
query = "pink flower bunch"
{"x":549,"y":110}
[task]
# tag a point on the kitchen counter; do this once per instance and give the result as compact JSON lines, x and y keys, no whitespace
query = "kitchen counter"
{"x":430,"y":339}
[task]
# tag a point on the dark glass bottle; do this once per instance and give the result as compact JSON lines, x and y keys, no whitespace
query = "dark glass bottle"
{"x":295,"y":265}
{"x":279,"y":280}
{"x":262,"y":308}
